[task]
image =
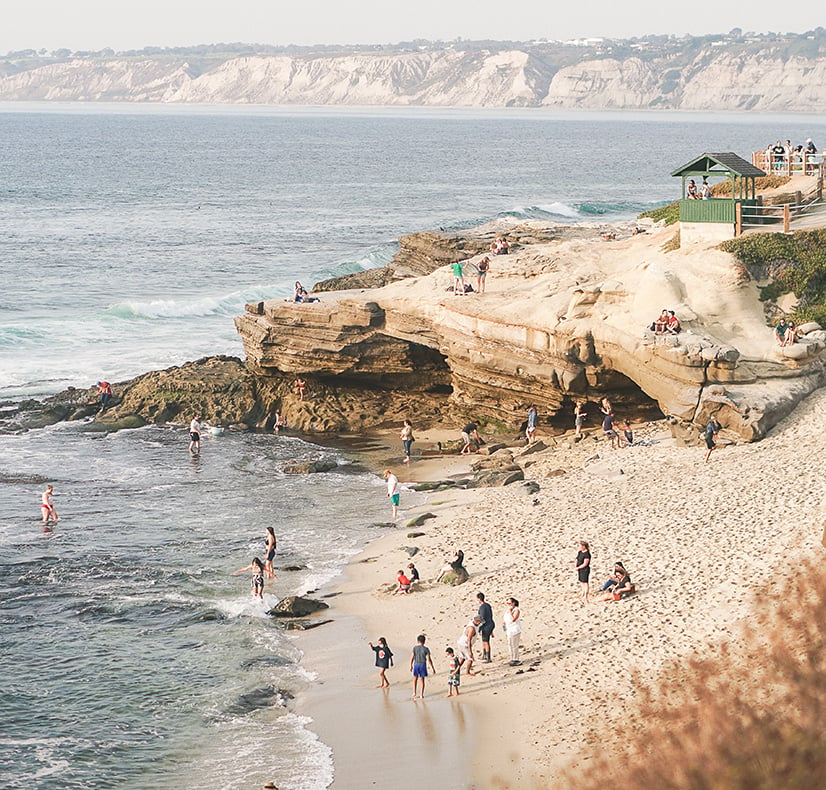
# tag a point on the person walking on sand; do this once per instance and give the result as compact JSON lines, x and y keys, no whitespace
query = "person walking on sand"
{"x":458,"y":278}
{"x":257,"y":568}
{"x":712,"y":429}
{"x":583,"y":568}
{"x":418,"y":665}
{"x":392,"y":490}
{"x":465,"y":643}
{"x":47,"y":509}
{"x":270,"y":549}
{"x":454,"y":672}
{"x":482,"y":269}
{"x":407,"y":440}
{"x":513,"y":629}
{"x":486,"y":626}
{"x":195,"y":435}
{"x":384,"y":660}
{"x":579,"y":416}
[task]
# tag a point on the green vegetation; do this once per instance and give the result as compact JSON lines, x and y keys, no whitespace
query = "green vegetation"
{"x":795,"y":263}
{"x":670,"y":213}
{"x":761,"y":184}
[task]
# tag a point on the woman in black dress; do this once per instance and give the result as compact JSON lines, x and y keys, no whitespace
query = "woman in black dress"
{"x":583,"y":568}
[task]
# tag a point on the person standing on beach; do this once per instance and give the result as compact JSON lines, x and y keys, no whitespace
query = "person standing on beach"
{"x":392,"y":490}
{"x":712,"y":429}
{"x":47,"y":509}
{"x":418,"y":665}
{"x":257,"y":568}
{"x":384,"y":660}
{"x":486,"y":626}
{"x":579,"y":417}
{"x":465,"y":642}
{"x":513,"y":629}
{"x":458,"y":278}
{"x":530,"y":430}
{"x":470,"y":433}
{"x":583,"y":568}
{"x":608,"y":425}
{"x":195,"y":435}
{"x":270,"y":549}
{"x":454,"y":672}
{"x":407,"y":440}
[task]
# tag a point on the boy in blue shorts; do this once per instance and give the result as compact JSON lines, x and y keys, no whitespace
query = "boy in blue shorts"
{"x":418,"y":665}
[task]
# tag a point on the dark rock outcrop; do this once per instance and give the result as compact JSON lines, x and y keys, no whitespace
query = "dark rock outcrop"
{"x":297,"y":606}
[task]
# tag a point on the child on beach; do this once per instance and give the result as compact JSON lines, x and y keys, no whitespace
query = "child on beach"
{"x":454,"y":670}
{"x":418,"y":665}
{"x":404,"y":583}
{"x":47,"y":509}
{"x":257,"y":568}
{"x":384,"y":660}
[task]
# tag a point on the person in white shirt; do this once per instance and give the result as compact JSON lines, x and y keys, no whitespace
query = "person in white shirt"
{"x":513,"y":629}
{"x":392,"y":490}
{"x":195,"y":435}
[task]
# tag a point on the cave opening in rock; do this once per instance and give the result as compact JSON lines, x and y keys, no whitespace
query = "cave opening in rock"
{"x":628,"y":402}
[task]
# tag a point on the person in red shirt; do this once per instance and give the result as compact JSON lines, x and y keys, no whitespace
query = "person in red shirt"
{"x":105,"y":390}
{"x":404,"y":583}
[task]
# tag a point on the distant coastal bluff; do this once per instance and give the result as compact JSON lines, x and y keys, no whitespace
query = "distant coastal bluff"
{"x":565,"y":317}
{"x":733,"y":71}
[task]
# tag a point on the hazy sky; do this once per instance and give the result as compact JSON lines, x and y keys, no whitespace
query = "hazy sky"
{"x":133,"y":24}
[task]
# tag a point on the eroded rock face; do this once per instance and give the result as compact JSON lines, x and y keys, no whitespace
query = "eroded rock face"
{"x":560,"y":321}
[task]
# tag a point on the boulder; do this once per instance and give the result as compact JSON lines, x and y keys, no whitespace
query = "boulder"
{"x":415,"y":534}
{"x":809,"y":326}
{"x":417,"y":521}
{"x":297,"y":606}
{"x":454,"y":577}
{"x":412,"y":551}
{"x":310,"y":467}
{"x":304,"y":625}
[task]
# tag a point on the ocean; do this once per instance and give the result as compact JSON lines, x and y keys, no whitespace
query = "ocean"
{"x":130,"y":237}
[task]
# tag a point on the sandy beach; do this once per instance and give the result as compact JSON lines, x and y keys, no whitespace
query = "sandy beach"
{"x":700,"y":540}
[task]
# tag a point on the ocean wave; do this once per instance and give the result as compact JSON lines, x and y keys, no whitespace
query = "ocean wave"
{"x":229,"y":304}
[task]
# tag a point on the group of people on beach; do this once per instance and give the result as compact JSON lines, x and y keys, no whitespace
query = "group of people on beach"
{"x":616,"y":587}
{"x":480,"y":627}
{"x":261,"y":570}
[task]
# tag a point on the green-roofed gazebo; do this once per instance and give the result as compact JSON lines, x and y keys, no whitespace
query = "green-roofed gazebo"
{"x":716,"y":217}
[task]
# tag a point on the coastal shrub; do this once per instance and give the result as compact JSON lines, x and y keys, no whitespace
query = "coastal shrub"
{"x":795,"y":263}
{"x":750,"y":715}
{"x":673,"y":243}
{"x":760,"y":184}
{"x":669,"y":213}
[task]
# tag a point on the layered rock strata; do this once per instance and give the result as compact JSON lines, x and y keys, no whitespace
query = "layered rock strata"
{"x":561,"y":320}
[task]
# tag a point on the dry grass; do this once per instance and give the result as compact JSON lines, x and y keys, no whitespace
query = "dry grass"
{"x":751,"y":715}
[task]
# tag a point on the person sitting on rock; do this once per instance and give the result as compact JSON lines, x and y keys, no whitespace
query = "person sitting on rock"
{"x":673,"y":326}
{"x":661,"y":324}
{"x":300,"y":294}
{"x":456,"y":565}
{"x":780,"y":332}
{"x":790,"y":336}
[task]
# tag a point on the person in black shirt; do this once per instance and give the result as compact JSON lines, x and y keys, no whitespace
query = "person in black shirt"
{"x":486,"y":627}
{"x":470,"y":433}
{"x":384,"y":660}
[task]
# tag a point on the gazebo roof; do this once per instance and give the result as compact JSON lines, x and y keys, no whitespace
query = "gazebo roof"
{"x":725,"y":163}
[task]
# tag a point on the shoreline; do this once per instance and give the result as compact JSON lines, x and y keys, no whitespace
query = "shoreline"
{"x":700,"y":540}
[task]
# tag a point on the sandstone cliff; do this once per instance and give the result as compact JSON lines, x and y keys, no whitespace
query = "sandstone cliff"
{"x":711,"y":77}
{"x":561,"y":320}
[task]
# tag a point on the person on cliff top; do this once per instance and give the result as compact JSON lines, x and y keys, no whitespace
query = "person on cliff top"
{"x":482,"y":269}
{"x":195,"y":435}
{"x":790,"y":336}
{"x":458,"y":278}
{"x":407,"y":440}
{"x":105,"y":390}
{"x":300,"y":294}
{"x":418,"y":665}
{"x":392,"y":490}
{"x":673,"y":326}
{"x":712,"y":429}
{"x":384,"y":660}
{"x":470,"y":433}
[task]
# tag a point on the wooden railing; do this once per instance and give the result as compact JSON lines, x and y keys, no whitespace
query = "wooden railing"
{"x":788,"y":164}
{"x":762,"y":214}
